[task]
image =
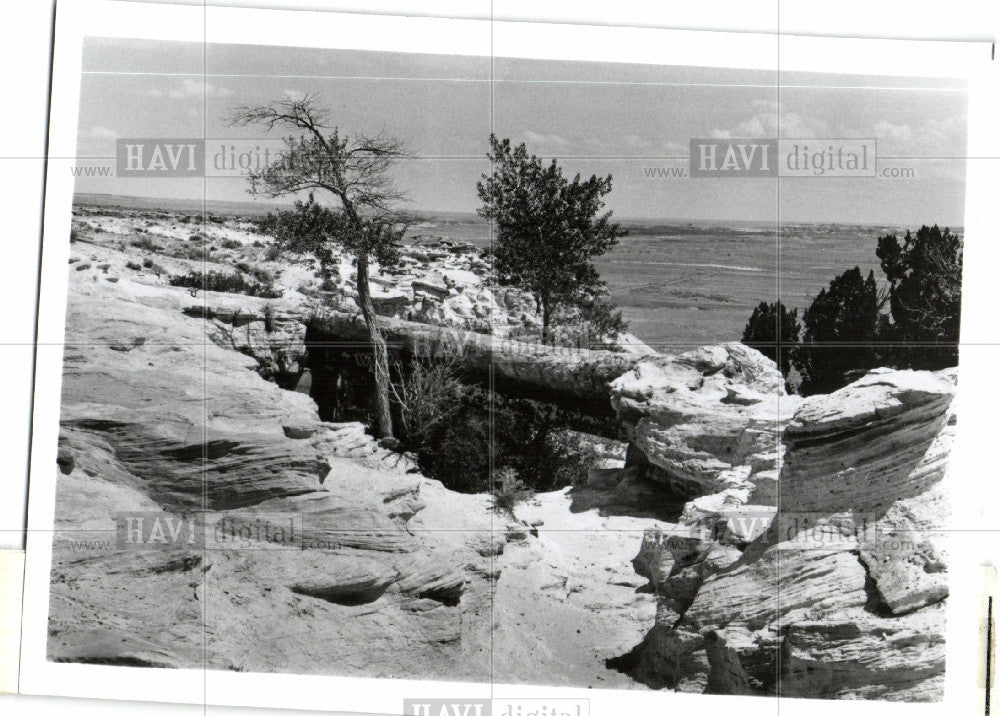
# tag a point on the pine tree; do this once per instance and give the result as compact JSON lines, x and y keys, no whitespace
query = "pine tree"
{"x":774,"y":331}
{"x":841,"y":336}
{"x":548,"y":228}
{"x":925,"y":295}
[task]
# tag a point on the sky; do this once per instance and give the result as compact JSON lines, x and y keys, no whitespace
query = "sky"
{"x":595,"y":118}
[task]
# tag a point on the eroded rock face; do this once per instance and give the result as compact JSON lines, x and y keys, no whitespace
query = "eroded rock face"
{"x":836,"y":597}
{"x":404,"y":578}
{"x":843,"y":595}
{"x":867,"y":445}
{"x":709,"y":422}
{"x":179,"y":428}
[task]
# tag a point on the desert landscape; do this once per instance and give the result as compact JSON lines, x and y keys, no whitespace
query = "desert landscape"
{"x":470,"y":373}
{"x":207,"y":375}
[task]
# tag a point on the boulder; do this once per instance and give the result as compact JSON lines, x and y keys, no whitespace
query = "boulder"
{"x":842,"y":595}
{"x":700,"y":416}
{"x":869,"y":444}
{"x":464,"y":306}
{"x":432,"y":285}
{"x":389,"y":302}
{"x":906,"y":554}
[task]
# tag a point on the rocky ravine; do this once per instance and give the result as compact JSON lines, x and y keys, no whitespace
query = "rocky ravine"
{"x":160,"y":419}
{"x":730,"y":493}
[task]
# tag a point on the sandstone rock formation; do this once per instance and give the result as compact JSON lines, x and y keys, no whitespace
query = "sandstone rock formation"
{"x":185,"y":429}
{"x":575,"y":372}
{"x":842,"y":596}
{"x":784,"y":546}
{"x":165,"y":415}
{"x":708,"y":424}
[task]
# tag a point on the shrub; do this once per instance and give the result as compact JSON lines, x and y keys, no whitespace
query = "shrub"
{"x":227,"y":283}
{"x":525,"y":436}
{"x":772,"y":329}
{"x":273,"y":252}
{"x":231,"y":244}
{"x":134,"y":266}
{"x":457,"y":451}
{"x":591,"y":322}
{"x":427,"y":393}
{"x":329,"y":284}
{"x":564,"y":458}
{"x":603,"y":322}
{"x":509,"y":491}
{"x":262,"y":275}
{"x":844,"y":314}
{"x":144,"y":242}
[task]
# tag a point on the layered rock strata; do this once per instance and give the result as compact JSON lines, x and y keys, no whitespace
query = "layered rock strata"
{"x":842,"y":596}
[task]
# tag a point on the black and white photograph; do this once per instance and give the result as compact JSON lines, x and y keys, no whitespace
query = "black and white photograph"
{"x":479,"y":373}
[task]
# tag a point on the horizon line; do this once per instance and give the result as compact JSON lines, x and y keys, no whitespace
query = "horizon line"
{"x":472,"y":213}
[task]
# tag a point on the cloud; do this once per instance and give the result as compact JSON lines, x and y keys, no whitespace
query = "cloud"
{"x":937,"y":135}
{"x":672,"y":149}
{"x":636,"y":145}
{"x":96,"y":141}
{"x":934,"y":136}
{"x":546,"y":144}
{"x":195,"y":88}
{"x":767,"y":120}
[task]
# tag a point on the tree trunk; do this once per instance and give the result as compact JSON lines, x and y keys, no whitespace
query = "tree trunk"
{"x":380,"y":356}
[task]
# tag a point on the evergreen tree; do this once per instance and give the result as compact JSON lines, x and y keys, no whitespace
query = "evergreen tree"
{"x":774,"y":331}
{"x":549,"y":229}
{"x":925,"y":296}
{"x":353,"y":173}
{"x":841,"y":335}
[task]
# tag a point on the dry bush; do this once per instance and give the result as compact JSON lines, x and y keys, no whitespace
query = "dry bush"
{"x":226,"y":283}
{"x":509,"y":490}
{"x":427,"y":392}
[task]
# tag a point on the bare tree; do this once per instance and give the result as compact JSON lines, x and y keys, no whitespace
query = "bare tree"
{"x":353,"y":170}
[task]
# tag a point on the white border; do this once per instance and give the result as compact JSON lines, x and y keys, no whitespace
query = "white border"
{"x":514,"y":39}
